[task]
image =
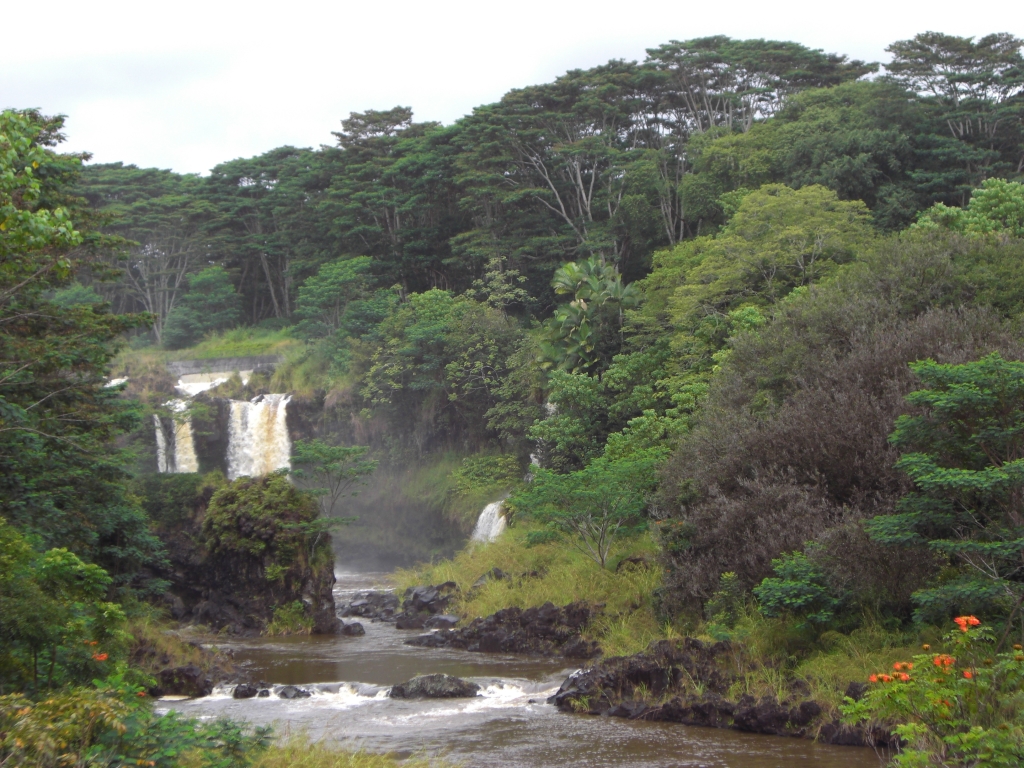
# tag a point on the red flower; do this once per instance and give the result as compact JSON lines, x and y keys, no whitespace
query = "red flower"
{"x":872,"y":678}
{"x":904,"y":676}
{"x":100,"y":656}
{"x":968,"y":674}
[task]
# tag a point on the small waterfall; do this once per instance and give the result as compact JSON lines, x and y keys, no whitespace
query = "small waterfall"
{"x":185,"y":448}
{"x":258,"y":441}
{"x":161,"y":445}
{"x":490,"y":524}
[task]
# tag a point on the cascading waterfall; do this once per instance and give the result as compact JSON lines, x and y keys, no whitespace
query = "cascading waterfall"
{"x":161,"y":445}
{"x":490,"y":524}
{"x":185,"y":459}
{"x":258,"y":441}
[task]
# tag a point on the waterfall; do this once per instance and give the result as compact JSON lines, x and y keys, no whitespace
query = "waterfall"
{"x":185,"y":447}
{"x":490,"y":524}
{"x":161,"y":445}
{"x":258,"y":441}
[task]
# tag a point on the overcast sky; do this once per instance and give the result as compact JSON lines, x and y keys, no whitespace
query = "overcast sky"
{"x":187,"y":85}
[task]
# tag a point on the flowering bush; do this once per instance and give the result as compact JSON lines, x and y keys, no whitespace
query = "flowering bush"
{"x":962,"y":708}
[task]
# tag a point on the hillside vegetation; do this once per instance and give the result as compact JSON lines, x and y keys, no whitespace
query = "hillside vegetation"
{"x":735,"y":329}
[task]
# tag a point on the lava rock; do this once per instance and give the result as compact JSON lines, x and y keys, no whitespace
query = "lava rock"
{"x":544,"y":631}
{"x":264,"y":693}
{"x":856,"y":690}
{"x":377,"y":606}
{"x":351,"y":629}
{"x":434,"y":687}
{"x":184,"y":681}
{"x":411,"y":620}
{"x":245,"y":691}
{"x":495,"y":574}
{"x":293,"y":692}
{"x":441,"y":621}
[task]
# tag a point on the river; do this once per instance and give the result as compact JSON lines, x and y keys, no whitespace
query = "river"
{"x":508,"y":725}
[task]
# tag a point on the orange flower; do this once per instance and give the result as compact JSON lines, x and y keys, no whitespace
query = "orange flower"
{"x":885,"y":678}
{"x":909,"y":665}
{"x":94,"y":642}
{"x":100,"y":656}
{"x":872,"y":678}
{"x":926,"y":647}
{"x":141,"y":694}
{"x":968,"y":674}
{"x":897,"y":666}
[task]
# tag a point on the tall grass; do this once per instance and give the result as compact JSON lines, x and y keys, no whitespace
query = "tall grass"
{"x":557,"y":573}
{"x":297,"y":751}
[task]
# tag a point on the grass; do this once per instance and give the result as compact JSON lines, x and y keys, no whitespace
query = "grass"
{"x":155,"y":645}
{"x":556,"y":572}
{"x":297,"y":751}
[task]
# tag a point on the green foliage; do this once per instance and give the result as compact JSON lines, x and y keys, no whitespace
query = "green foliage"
{"x":56,"y":627}
{"x":996,"y":208}
{"x":289,"y":619}
{"x":586,"y":332}
{"x":964,"y":457}
{"x":76,"y":294}
{"x":593,"y":505}
{"x":261,"y":519}
{"x":799,"y":589}
{"x":960,"y":708}
{"x":60,"y":477}
{"x":114,"y":724}
{"x":211,"y":304}
{"x":333,"y":468}
{"x":727,"y":602}
{"x":325,"y":299}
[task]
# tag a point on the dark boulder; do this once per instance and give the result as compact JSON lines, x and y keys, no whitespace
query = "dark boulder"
{"x":420,"y":603}
{"x":856,"y":690}
{"x":377,"y":606}
{"x":351,"y":629}
{"x":293,"y":692}
{"x":245,"y":691}
{"x":544,"y":631}
{"x":183,"y":681}
{"x":434,"y":687}
{"x":495,"y":574}
{"x":264,"y":693}
{"x":441,"y":621}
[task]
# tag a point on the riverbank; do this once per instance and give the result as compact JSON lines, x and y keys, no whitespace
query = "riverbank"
{"x":509,"y":723}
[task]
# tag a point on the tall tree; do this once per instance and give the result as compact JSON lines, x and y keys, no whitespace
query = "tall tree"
{"x":59,"y":478}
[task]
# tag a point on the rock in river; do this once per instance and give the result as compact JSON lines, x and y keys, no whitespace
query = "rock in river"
{"x":434,"y":687}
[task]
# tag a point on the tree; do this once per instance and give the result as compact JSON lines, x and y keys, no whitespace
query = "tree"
{"x":325,"y":297}
{"x":160,"y":215}
{"x":585,"y":333}
{"x":975,"y":87}
{"x":60,"y":478}
{"x":211,"y":304}
{"x":996,"y":208}
{"x":334,"y":469}
{"x":965,"y":456}
{"x":595,"y":504}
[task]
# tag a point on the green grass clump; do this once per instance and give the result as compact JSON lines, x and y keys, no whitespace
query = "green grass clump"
{"x":297,"y":751}
{"x":556,"y":572}
{"x":241,"y":342}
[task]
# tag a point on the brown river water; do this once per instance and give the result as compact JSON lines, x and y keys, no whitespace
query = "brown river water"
{"x":509,"y":724}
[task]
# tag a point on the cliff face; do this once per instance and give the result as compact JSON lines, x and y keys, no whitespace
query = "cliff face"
{"x":245,"y":557}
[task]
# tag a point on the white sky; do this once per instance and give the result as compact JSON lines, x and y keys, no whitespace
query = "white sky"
{"x":187,"y":85}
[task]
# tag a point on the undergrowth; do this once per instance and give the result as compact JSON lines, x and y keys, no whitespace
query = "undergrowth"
{"x":555,"y":572}
{"x":298,"y":751}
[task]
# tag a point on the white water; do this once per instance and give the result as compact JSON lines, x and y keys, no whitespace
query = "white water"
{"x":185,"y":447}
{"x":161,"y":445}
{"x":490,"y":524}
{"x":258,"y":441}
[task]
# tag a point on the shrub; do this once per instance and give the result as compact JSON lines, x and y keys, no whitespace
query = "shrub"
{"x":961,"y":708}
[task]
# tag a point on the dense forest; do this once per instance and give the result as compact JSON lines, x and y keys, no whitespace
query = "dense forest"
{"x":753,"y":305}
